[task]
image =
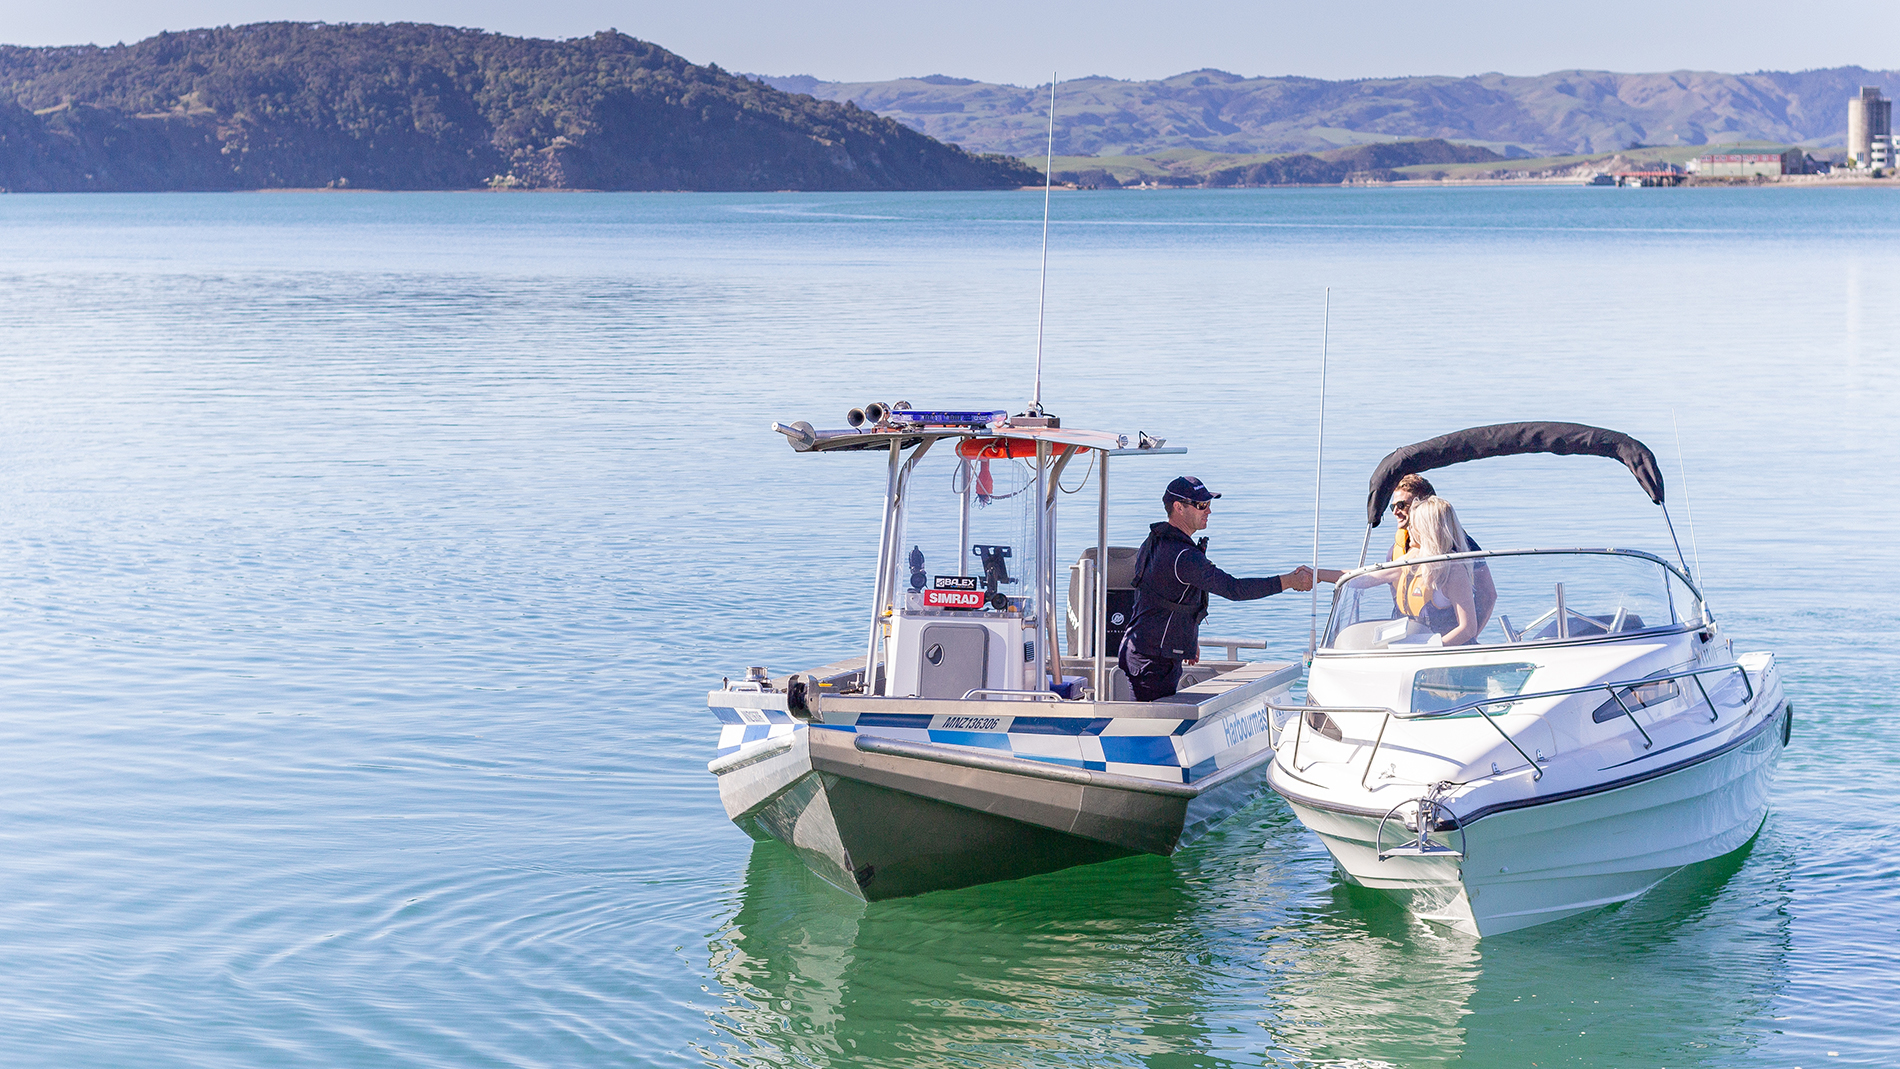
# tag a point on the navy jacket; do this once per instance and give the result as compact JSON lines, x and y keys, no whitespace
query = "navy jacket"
{"x":1173,"y":578}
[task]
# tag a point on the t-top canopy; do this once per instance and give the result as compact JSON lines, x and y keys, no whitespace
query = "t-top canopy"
{"x":1511,"y":439}
{"x":805,"y":438}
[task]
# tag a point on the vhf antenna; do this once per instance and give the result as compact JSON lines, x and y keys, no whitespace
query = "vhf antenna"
{"x":1042,"y":290}
{"x":1319,"y":457}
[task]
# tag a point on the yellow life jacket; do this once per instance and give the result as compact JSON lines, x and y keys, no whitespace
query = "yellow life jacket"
{"x":1415,"y":590}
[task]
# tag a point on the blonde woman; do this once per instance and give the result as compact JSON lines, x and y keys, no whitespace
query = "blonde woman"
{"x":1440,"y":594}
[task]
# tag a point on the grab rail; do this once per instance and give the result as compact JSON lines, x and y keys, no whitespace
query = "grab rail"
{"x":1478,"y":706}
{"x":1041,"y":695}
{"x":1233,"y":646}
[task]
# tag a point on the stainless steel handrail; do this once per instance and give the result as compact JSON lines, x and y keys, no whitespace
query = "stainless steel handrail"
{"x":1042,"y":695}
{"x":1536,"y":773}
{"x":1478,"y":706}
{"x":1658,"y":678}
{"x":1233,"y":646}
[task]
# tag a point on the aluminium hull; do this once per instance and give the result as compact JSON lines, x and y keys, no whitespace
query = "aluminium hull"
{"x":886,"y":797}
{"x":1542,"y":861}
{"x":885,"y":818}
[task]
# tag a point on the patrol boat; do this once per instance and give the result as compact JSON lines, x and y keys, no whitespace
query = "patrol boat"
{"x":1598,"y":734}
{"x":963,"y":745}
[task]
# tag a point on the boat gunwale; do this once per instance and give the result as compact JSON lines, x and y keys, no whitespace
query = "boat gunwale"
{"x":1080,"y":777}
{"x":1211,"y":704}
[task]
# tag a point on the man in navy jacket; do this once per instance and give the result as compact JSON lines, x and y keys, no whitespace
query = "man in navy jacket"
{"x":1173,"y":579}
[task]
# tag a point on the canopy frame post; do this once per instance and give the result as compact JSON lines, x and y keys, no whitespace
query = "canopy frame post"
{"x":1673,"y":538}
{"x":963,"y":516}
{"x":1099,"y":614}
{"x":1043,"y":549}
{"x":883,"y":569}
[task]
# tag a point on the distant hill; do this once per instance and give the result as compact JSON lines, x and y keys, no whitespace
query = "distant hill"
{"x":408,"y":106}
{"x":1564,"y":113}
{"x":1360,"y":163}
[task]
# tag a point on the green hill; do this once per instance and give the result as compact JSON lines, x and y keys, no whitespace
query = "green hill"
{"x":410,"y":106}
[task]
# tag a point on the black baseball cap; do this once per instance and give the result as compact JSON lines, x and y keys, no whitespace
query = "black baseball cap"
{"x":1188,"y":488}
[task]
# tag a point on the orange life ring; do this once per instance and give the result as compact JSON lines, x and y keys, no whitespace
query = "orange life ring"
{"x":996,"y":449}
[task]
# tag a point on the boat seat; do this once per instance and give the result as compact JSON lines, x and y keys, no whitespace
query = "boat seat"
{"x":1375,"y":634}
{"x":1585,"y":626}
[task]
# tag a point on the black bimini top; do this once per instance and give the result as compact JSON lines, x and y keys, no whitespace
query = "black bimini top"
{"x":1511,"y":439}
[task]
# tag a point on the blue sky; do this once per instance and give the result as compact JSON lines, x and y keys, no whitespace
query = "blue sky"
{"x":851,"y":40}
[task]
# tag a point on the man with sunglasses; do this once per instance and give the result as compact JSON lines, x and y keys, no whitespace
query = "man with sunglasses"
{"x":1414,"y":488}
{"x":1173,"y":579}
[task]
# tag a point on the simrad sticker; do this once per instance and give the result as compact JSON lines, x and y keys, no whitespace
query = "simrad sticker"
{"x":953,"y":599}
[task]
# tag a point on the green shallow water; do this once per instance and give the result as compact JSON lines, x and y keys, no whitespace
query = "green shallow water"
{"x":369,"y":557}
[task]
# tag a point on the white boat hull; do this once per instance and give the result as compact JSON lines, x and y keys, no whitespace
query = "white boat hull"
{"x":1545,"y":860}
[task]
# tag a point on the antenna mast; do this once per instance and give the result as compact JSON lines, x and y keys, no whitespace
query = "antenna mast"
{"x":1319,"y":456}
{"x":1042,"y":289}
{"x":1683,"y":467}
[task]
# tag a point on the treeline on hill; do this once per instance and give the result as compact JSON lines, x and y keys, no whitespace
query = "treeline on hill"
{"x":1371,"y":163}
{"x":409,"y":106}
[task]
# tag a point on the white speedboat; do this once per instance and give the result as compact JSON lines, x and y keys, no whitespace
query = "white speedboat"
{"x":1598,"y":734}
{"x":962,"y":745}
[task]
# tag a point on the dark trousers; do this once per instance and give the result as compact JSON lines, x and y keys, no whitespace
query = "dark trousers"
{"x":1149,"y":677}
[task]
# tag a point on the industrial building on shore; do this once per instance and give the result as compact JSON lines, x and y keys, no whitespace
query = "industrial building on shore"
{"x":1751,"y":164}
{"x":1870,"y":130}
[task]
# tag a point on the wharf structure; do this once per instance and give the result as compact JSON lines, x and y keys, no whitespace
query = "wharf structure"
{"x":1870,"y":130}
{"x":1656,"y":174}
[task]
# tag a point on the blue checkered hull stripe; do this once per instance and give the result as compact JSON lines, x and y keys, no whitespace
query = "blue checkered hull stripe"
{"x":738,"y":727}
{"x":1179,"y":751}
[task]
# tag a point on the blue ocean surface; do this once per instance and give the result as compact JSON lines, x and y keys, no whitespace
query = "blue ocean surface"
{"x":368,"y":557}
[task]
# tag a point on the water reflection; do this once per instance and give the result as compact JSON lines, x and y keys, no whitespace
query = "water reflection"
{"x":1102,"y":965}
{"x":1246,"y":950}
{"x":1686,"y":975}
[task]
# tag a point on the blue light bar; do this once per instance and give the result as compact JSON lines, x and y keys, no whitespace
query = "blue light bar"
{"x":921,"y":418}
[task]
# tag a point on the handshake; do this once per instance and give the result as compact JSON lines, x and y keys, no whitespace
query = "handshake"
{"x":1301,"y":578}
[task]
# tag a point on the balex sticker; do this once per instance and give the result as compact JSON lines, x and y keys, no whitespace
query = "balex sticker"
{"x":954,"y":582}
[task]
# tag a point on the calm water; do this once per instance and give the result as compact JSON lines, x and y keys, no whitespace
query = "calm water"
{"x":367,"y":559}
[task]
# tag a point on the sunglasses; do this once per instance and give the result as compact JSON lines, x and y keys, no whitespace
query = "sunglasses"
{"x":1401,"y":506}
{"x":1202,"y":505}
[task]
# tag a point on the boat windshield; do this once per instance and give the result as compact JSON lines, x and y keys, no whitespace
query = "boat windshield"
{"x":1515,"y":597}
{"x":968,"y":524}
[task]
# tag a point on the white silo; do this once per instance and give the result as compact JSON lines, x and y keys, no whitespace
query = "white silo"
{"x":1870,"y":129}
